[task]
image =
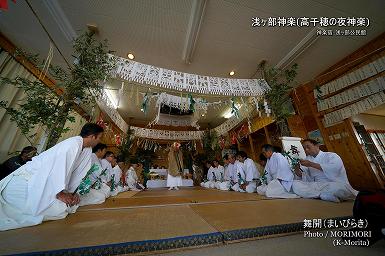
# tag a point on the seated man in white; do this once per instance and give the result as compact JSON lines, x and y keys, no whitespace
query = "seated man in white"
{"x":228,"y":169}
{"x":118,"y":166}
{"x":323,"y":175}
{"x":132,"y":178}
{"x":278,"y":177}
{"x":106,"y":164}
{"x":238,"y":176}
{"x":219,"y":172}
{"x":211,"y":178}
{"x":251,"y":173}
{"x":44,"y":188}
{"x":97,"y":192}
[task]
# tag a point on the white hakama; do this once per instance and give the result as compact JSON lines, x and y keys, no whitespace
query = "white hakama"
{"x":279,"y":178}
{"x":133,"y":181}
{"x":174,"y":181}
{"x":330,"y":184}
{"x":28,"y":195}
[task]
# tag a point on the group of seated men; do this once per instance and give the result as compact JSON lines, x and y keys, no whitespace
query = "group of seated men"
{"x":75,"y":172}
{"x":321,"y":175}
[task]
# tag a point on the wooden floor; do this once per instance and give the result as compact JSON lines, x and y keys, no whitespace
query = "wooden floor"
{"x":156,"y":215}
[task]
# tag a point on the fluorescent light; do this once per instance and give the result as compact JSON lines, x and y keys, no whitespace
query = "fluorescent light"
{"x":111,"y":98}
{"x":305,"y":43}
{"x":232,"y":73}
{"x":61,"y":19}
{"x":196,"y":17}
{"x":130,"y":56}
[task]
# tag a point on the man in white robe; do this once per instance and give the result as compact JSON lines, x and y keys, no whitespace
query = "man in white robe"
{"x":96,"y":194}
{"x":277,"y":175}
{"x":132,"y":178}
{"x":238,"y":176}
{"x":45,"y":188}
{"x":118,"y":165}
{"x":250,"y":173}
{"x":106,"y":165}
{"x":210,"y":183}
{"x":222,"y":185}
{"x":230,"y":176}
{"x":323,"y":175}
{"x":219,"y":171}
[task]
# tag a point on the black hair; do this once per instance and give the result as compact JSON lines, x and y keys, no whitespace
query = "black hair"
{"x":242,"y":154}
{"x":262,"y":157}
{"x":99,"y":146}
{"x":108,"y":153}
{"x":314,"y":142}
{"x":268,"y":147}
{"x":226,"y":157}
{"x":91,"y":129}
{"x":27,"y":150}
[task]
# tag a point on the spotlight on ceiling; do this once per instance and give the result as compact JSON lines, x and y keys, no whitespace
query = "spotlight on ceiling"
{"x":130,"y":56}
{"x":232,"y":73}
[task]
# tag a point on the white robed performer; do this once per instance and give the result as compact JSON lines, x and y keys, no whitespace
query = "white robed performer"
{"x":95,"y":195}
{"x":230,"y":176}
{"x":106,"y":179}
{"x":239,"y":176}
{"x":132,"y":179}
{"x":117,"y":176}
{"x":277,"y":175}
{"x":250,"y":175}
{"x":324,"y":175}
{"x":45,"y":188}
{"x":210,"y":183}
{"x":175,"y":167}
{"x":219,"y":172}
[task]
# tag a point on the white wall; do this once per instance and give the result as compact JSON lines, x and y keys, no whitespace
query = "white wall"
{"x":371,"y":122}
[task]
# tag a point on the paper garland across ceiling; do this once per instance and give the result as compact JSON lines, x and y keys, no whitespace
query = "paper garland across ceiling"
{"x":184,"y":82}
{"x":105,"y":104}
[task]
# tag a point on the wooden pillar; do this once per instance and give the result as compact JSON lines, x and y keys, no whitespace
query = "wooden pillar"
{"x":252,"y":148}
{"x":268,"y":140}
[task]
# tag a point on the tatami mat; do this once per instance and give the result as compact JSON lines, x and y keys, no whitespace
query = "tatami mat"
{"x":241,"y":215}
{"x":105,"y":227}
{"x":155,"y":198}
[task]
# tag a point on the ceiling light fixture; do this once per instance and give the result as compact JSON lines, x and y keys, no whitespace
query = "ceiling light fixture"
{"x":130,"y":56}
{"x":232,"y":73}
{"x":61,"y":19}
{"x":305,"y":43}
{"x":196,"y":17}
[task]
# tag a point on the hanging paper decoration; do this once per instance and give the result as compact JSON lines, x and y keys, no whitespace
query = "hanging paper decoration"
{"x":145,"y":104}
{"x":184,"y":82}
{"x":234,"y":109}
{"x":192,"y":103}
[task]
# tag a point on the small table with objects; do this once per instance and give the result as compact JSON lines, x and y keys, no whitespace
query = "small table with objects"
{"x":158,"y":179}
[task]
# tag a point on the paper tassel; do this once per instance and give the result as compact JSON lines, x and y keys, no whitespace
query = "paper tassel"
{"x":145,"y":104}
{"x":234,"y":109}
{"x":192,"y":103}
